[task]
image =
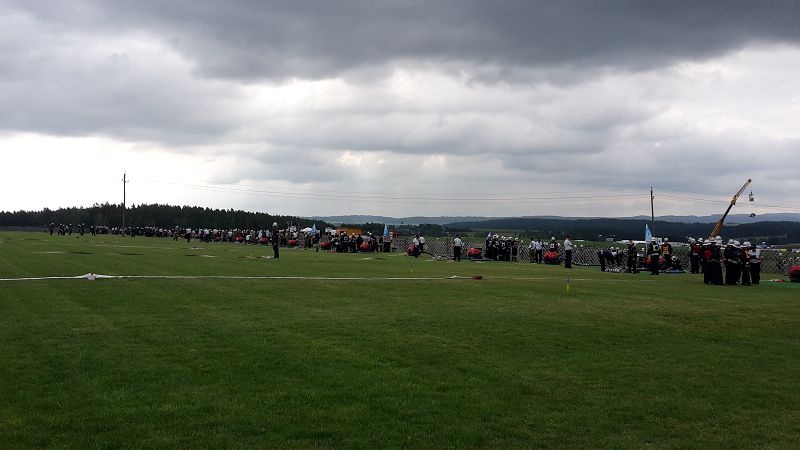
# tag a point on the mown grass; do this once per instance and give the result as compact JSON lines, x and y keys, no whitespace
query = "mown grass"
{"x":512,"y":360}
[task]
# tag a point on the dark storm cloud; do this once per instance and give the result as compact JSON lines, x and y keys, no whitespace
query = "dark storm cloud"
{"x":318,"y":39}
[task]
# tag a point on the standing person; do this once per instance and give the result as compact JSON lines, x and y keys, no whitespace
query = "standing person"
{"x":421,"y":243}
{"x":275,"y":240}
{"x":731,"y":255}
{"x":567,"y":253}
{"x":755,"y":264}
{"x":744,"y":265}
{"x":654,"y":253}
{"x":715,"y":263}
{"x":666,"y":252}
{"x":387,"y":243}
{"x":632,"y":255}
{"x":694,"y":255}
{"x":415,"y":246}
{"x":705,"y":257}
{"x":457,"y":248}
{"x":539,"y":249}
{"x":532,"y":250}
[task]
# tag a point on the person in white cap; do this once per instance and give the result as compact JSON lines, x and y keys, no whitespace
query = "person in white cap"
{"x":744,"y":255}
{"x":654,"y":253}
{"x":731,"y":255}
{"x":666,"y":251}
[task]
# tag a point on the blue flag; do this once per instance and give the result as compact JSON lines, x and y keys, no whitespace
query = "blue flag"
{"x":314,"y":230}
{"x":647,"y":234}
{"x":385,"y":230}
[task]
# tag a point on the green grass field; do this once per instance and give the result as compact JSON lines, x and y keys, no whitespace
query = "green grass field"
{"x":509,"y":361}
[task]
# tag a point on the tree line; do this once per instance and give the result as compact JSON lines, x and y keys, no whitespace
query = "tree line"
{"x":155,"y":215}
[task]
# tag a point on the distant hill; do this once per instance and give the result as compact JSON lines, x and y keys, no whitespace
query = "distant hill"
{"x":416,"y":220}
{"x":449,"y":220}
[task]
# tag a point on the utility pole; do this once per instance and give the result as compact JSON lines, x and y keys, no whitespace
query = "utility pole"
{"x":652,"y":213}
{"x":124,"y":183}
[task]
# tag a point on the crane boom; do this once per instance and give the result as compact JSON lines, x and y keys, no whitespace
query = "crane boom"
{"x":721,"y":221}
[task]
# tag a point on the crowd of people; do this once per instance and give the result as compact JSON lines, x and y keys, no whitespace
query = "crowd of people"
{"x":742,"y":261}
{"x":352,"y":243}
{"x":730,"y":264}
{"x":733,"y":263}
{"x":80,"y":229}
{"x":502,"y":248}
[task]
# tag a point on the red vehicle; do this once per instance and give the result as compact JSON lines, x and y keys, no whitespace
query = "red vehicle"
{"x":794,"y":273}
{"x":552,"y":257}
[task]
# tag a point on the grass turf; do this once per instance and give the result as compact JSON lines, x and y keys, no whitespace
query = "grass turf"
{"x":513,"y":360}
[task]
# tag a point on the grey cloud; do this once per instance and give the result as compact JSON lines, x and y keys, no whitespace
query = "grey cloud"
{"x":276,"y":40}
{"x":62,"y":85}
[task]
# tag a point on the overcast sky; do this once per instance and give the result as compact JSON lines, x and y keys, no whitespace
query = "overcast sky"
{"x":450,"y":107}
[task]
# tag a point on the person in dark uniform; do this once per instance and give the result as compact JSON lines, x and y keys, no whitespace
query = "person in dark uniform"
{"x":275,"y":240}
{"x":553,"y":245}
{"x":705,"y":258}
{"x":602,"y":258}
{"x":702,"y":243}
{"x":666,"y":252}
{"x":632,"y":256}
{"x":694,"y":255}
{"x":654,"y":253}
{"x":715,"y":263}
{"x":731,"y":255}
{"x":744,"y":263}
